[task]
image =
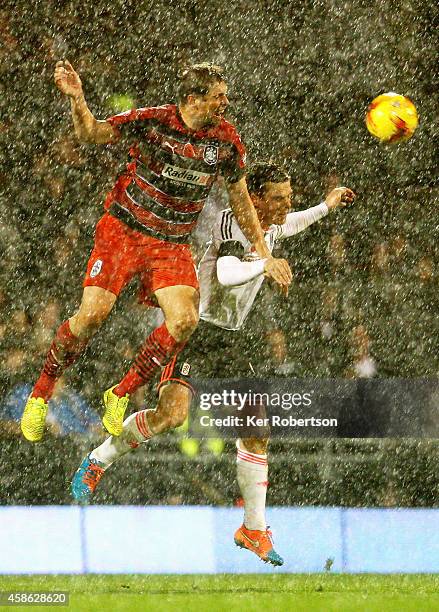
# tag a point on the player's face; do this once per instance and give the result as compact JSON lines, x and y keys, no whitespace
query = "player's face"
{"x":276,"y":202}
{"x":210,"y":108}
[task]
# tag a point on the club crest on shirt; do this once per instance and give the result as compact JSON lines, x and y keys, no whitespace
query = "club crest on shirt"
{"x":210,"y":154}
{"x":97,"y":267}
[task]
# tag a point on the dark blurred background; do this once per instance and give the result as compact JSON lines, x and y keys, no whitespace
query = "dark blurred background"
{"x":301,"y":74}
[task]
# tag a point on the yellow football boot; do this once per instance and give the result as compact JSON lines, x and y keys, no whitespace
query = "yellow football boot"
{"x":114,"y":411}
{"x":34,"y":418}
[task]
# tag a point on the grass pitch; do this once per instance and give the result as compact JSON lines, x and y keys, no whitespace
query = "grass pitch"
{"x":243,"y":593}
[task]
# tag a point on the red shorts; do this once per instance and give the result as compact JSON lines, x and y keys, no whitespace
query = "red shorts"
{"x":121,"y":253}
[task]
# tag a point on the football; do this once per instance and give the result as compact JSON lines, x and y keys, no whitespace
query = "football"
{"x":391,"y":118}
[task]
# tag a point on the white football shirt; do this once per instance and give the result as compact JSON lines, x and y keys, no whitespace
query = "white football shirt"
{"x":228,"y":307}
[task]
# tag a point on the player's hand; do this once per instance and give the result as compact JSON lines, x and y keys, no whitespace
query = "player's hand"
{"x":67,"y":79}
{"x":279,"y":271}
{"x":340,"y":196}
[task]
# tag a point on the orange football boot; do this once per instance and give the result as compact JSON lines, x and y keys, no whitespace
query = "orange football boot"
{"x":259,"y":542}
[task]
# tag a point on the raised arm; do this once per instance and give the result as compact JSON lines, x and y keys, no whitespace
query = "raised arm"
{"x":87,"y":128}
{"x":245,"y":213}
{"x":296,"y":222}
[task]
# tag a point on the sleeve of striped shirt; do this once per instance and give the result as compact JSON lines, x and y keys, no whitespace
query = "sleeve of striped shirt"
{"x":131,"y":123}
{"x":298,"y":221}
{"x":233,"y":169}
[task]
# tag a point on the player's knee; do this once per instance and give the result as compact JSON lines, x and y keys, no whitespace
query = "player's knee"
{"x":257,"y":446}
{"x":178,"y":419}
{"x":177,"y":413}
{"x":173,"y":406}
{"x":90,"y":320}
{"x":183,"y":325}
{"x":172,"y":420}
{"x":94,"y":318}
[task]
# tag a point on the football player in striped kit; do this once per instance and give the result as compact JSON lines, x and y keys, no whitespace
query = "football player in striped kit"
{"x":175,"y":153}
{"x":231,"y":274}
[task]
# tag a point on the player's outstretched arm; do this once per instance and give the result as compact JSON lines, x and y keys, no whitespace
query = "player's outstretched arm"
{"x":245,"y":213}
{"x":298,"y":221}
{"x":87,"y":128}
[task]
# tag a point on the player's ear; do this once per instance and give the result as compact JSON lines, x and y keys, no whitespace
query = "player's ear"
{"x":193,"y":100}
{"x":261,"y":206}
{"x":188,"y":100}
{"x":257,"y":200}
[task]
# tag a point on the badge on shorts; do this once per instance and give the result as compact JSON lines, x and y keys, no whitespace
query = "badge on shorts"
{"x":97,"y":267}
{"x":210,"y":154}
{"x":185,"y":369}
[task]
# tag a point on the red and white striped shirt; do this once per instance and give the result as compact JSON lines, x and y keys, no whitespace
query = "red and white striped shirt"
{"x":170,"y":170}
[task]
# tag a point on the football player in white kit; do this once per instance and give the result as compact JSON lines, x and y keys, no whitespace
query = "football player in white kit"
{"x":230,"y":275}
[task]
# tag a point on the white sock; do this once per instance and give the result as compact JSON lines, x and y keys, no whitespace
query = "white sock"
{"x":135,"y":431}
{"x":252,"y":472}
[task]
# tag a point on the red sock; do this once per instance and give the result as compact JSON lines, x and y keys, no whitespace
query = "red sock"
{"x":157,"y":351}
{"x":64,"y":350}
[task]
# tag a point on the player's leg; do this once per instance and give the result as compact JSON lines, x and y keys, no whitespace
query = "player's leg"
{"x":179,"y":304}
{"x":180,"y":308}
{"x":108,"y":270}
{"x":73,"y":336}
{"x":68,"y":344}
{"x":175,"y":394}
{"x":171,"y":411}
{"x":252,"y":475}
